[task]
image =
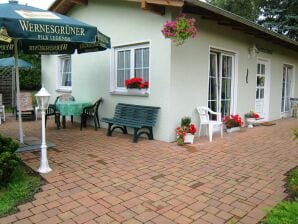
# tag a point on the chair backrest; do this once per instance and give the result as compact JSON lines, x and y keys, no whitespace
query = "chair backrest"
{"x":65,"y":97}
{"x":203,"y":114}
{"x":294,"y":102}
{"x":26,"y":102}
{"x":98,"y":105}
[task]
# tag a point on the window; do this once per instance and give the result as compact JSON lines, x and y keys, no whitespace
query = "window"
{"x":64,"y":79}
{"x":129,"y":62}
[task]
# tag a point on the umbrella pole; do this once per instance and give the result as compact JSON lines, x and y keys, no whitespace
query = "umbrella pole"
{"x":21,"y":134}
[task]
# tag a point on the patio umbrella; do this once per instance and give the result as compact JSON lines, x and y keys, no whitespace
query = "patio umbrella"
{"x":11,"y":63}
{"x":37,"y":31}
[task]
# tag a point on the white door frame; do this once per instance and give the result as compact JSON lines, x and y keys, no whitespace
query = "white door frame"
{"x":234,"y":80}
{"x":267,"y":63}
{"x":288,"y":114}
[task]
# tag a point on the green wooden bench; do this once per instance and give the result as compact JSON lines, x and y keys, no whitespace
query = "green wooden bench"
{"x":137,"y":117}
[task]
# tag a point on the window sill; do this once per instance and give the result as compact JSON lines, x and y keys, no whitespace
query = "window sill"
{"x":131,"y":92}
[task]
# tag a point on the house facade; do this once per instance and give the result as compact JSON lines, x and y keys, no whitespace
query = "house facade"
{"x":233,"y":66}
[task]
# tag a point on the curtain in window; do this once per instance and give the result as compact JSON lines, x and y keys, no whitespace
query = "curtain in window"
{"x":123,"y":67}
{"x":66,"y":71}
{"x":142,"y":63}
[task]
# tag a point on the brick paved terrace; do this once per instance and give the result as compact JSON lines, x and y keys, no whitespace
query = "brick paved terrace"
{"x":100,"y":179}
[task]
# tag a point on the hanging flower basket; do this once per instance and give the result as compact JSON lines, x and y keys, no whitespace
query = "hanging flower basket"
{"x":181,"y":29}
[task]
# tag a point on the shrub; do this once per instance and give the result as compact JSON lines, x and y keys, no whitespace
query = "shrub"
{"x":185,"y":121}
{"x":283,"y":213}
{"x":9,"y":161}
{"x":293,"y":183}
{"x":296,"y":133}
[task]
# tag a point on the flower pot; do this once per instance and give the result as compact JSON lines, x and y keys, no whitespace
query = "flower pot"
{"x":250,"y":122}
{"x":136,"y":91}
{"x":188,"y":138}
{"x":235,"y":129}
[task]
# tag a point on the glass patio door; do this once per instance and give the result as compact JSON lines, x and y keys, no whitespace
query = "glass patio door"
{"x":261,"y":88}
{"x":286,"y":89}
{"x":221,"y":73}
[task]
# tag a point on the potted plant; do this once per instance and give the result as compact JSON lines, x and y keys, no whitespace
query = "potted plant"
{"x":251,"y":118}
{"x":180,"y":29}
{"x":137,"y":84}
{"x":233,"y":122}
{"x":186,"y":131}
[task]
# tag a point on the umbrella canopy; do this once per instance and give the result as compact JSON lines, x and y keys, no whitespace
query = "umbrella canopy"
{"x":37,"y":31}
{"x":11,"y":63}
{"x":43,"y":32}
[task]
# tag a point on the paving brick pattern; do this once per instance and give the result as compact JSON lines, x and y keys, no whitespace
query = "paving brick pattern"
{"x":100,"y":179}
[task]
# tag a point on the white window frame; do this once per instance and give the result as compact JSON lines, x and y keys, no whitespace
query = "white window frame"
{"x":113,"y":66}
{"x":61,"y":87}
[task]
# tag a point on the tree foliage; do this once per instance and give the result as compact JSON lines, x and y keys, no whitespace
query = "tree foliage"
{"x":281,"y":17}
{"x":249,"y":9}
{"x":277,"y":15}
{"x":30,"y":79}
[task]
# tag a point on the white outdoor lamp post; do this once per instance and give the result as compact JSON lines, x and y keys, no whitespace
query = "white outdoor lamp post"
{"x":43,"y":102}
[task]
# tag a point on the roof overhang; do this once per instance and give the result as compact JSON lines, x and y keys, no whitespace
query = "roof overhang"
{"x":205,"y":10}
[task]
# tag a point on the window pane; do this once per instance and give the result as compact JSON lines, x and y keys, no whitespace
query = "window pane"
{"x":120,"y":60}
{"x":212,"y":88}
{"x":65,"y":71}
{"x":141,"y":63}
{"x":120,"y":78}
{"x":127,"y":59}
{"x":262,"y":93}
{"x":123,"y":67}
{"x":212,"y":105}
{"x":213,"y":66}
{"x":226,"y":89}
{"x":146,"y":57}
{"x":260,"y":80}
{"x":138,"y":73}
{"x":146,"y":74}
{"x":138,"y":58}
{"x":226,"y":66}
{"x":225,"y":107}
{"x":262,"y":69}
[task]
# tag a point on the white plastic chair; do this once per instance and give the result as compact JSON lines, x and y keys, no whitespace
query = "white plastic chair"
{"x":2,"y":110}
{"x":204,"y":120}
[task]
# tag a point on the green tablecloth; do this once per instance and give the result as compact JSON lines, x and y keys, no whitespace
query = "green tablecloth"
{"x":68,"y":108}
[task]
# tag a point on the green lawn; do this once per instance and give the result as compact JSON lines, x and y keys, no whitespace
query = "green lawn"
{"x":21,"y":189}
{"x":286,"y":212}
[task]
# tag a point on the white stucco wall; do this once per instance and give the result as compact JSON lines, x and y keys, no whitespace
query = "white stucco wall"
{"x":189,"y":71}
{"x":178,"y":75}
{"x":125,"y":23}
